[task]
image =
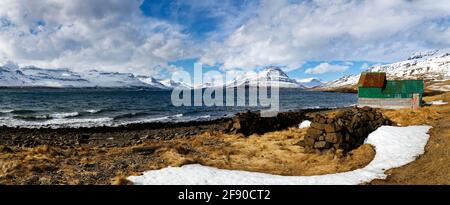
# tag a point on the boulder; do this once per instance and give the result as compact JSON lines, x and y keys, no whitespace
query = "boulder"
{"x":314,"y":132}
{"x":322,"y":145}
{"x":334,"y":137}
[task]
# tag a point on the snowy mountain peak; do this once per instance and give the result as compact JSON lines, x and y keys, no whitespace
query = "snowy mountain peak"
{"x":11,"y":66}
{"x":430,"y":65}
{"x":423,"y":54}
{"x":273,"y":72}
{"x":175,"y":84}
{"x":152,"y":82}
{"x":310,"y":82}
{"x":271,"y":76}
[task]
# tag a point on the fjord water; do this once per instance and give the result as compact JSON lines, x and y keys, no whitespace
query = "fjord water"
{"x":112,"y":107}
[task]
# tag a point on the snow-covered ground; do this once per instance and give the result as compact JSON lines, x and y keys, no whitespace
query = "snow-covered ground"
{"x":305,"y":124}
{"x":438,"y":102}
{"x":395,"y":147}
{"x":440,"y":87}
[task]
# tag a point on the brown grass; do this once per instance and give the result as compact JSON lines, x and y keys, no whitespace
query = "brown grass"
{"x":275,"y":153}
{"x":434,"y":166}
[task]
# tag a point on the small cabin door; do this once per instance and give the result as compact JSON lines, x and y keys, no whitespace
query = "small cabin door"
{"x":415,"y":101}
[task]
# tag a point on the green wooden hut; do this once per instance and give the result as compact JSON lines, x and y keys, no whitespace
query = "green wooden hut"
{"x":375,"y":91}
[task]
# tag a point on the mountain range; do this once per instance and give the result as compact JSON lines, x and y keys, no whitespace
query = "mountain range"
{"x":431,"y":66}
{"x":11,"y":75}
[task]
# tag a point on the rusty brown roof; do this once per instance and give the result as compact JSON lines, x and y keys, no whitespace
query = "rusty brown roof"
{"x":372,"y":80}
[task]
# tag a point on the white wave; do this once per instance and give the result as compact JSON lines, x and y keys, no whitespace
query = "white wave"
{"x":93,"y":111}
{"x":64,"y":115}
{"x":40,"y":117}
{"x":61,"y":121}
{"x":178,"y":115}
{"x":204,"y":117}
{"x":56,"y":123}
{"x":194,"y":118}
{"x":6,"y":110}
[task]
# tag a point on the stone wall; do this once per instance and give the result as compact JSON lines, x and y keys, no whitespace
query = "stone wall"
{"x":344,"y":130}
{"x":249,"y":123}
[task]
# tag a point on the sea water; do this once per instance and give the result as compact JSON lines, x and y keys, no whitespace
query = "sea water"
{"x":33,"y":107}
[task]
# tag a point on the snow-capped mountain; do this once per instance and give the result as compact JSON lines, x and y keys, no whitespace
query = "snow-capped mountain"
{"x":310,"y":82}
{"x":152,"y":82}
{"x":174,"y":84}
{"x":12,"y":75}
{"x":431,"y":65}
{"x":346,"y":80}
{"x":113,"y":79}
{"x":271,"y":76}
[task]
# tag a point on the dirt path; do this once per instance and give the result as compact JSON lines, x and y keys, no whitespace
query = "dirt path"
{"x":434,"y":166}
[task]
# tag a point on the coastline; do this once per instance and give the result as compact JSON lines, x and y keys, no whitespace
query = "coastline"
{"x":108,"y":155}
{"x":116,"y":136}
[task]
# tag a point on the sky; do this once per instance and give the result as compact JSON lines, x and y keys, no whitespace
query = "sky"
{"x":306,"y":38}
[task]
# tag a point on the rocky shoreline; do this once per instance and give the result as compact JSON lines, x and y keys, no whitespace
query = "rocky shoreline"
{"x":135,"y":134}
{"x":105,"y":155}
{"x":105,"y":136}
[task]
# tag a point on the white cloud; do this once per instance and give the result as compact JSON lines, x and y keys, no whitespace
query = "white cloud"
{"x":282,"y":32}
{"x":105,"y":34}
{"x":114,"y":35}
{"x":365,"y":66}
{"x":326,"y":68}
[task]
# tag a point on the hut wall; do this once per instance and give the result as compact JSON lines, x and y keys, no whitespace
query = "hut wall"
{"x":387,"y":103}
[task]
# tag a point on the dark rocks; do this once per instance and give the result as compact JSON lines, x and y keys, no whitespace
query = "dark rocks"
{"x":107,"y":136}
{"x":147,"y":137}
{"x":83,"y":139}
{"x":344,"y":131}
{"x":249,"y":123}
{"x":5,"y":149}
{"x":145,"y":150}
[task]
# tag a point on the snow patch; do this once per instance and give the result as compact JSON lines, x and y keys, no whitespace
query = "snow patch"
{"x":305,"y":124}
{"x":438,"y":102}
{"x":395,"y":147}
